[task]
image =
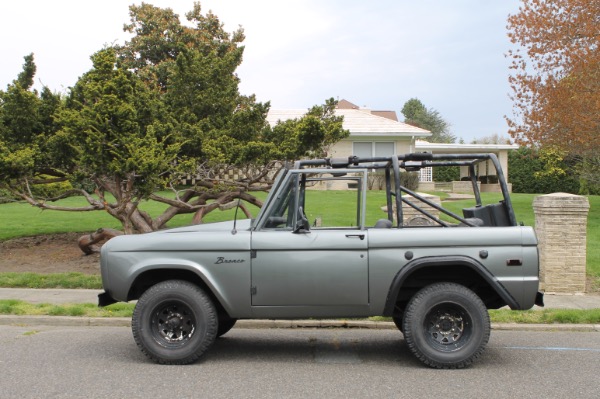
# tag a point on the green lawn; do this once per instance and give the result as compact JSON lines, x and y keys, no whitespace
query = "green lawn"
{"x":593,"y":237}
{"x":20,"y":219}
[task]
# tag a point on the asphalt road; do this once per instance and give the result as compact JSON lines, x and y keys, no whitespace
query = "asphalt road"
{"x":104,"y":362}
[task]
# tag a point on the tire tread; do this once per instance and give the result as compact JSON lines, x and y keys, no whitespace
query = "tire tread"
{"x":412,"y":312}
{"x":205,"y":304}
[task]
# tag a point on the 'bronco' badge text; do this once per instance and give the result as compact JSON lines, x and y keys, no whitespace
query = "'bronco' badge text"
{"x":221,"y":259}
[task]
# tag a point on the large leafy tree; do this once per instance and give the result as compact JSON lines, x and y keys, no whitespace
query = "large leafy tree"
{"x":416,"y":114}
{"x":116,"y":138}
{"x":26,"y":123}
{"x":163,"y":106}
{"x":555,"y":76}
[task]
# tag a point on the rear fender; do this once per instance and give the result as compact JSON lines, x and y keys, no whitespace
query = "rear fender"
{"x":445,"y":261}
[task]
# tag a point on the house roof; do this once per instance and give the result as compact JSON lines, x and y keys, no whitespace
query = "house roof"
{"x":345,"y":104}
{"x":443,"y":148}
{"x":359,"y":121}
{"x":386,"y":114}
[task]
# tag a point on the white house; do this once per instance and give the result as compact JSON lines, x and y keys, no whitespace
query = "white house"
{"x":379,"y":133}
{"x":501,"y":151}
{"x":372,"y":133}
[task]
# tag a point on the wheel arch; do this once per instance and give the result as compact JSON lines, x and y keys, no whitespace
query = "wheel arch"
{"x":458,"y":269}
{"x":152,"y":276}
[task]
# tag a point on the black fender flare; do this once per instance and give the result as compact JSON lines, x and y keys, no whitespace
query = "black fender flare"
{"x":436,"y":261}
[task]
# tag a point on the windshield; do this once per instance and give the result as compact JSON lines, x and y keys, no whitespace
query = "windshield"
{"x":278,"y":179}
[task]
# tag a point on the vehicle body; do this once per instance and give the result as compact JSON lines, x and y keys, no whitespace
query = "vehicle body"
{"x":436,"y":278}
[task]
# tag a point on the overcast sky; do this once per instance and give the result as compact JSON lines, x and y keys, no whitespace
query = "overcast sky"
{"x":378,"y":53}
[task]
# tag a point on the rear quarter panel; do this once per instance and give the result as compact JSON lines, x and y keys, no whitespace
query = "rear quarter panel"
{"x":388,"y":249}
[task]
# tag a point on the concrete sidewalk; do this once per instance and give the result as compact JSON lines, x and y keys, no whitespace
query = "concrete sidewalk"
{"x":62,"y":296}
{"x":53,"y":296}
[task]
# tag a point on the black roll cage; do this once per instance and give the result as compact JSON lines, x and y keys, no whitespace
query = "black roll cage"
{"x":394,"y":166}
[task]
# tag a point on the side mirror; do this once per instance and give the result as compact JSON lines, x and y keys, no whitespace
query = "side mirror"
{"x":302,"y":224}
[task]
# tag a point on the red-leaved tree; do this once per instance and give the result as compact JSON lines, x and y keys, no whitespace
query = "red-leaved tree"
{"x":555,"y":77}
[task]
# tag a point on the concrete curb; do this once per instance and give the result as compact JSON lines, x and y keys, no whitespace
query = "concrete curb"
{"x":73,"y":321}
{"x":64,"y":321}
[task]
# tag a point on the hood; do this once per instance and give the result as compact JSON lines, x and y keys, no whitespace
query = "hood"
{"x":243,"y":224}
{"x":211,"y":236}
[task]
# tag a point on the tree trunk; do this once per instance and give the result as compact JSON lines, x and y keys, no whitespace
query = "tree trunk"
{"x":87,"y":242}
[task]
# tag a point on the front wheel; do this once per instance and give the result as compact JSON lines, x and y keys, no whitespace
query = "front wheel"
{"x":174,"y":322}
{"x":446,"y":325}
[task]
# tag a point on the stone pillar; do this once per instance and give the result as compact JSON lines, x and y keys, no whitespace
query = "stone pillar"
{"x":560,"y":225}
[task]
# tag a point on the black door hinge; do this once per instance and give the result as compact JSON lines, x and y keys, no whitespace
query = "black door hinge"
{"x":253,"y":290}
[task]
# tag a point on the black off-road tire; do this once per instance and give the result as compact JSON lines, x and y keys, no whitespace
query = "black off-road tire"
{"x":446,"y":326}
{"x":174,"y":322}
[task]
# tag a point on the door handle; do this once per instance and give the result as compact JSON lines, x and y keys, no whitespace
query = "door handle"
{"x":361,"y":236}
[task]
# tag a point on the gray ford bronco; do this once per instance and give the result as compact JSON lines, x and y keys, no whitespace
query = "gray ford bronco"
{"x":397,"y":253}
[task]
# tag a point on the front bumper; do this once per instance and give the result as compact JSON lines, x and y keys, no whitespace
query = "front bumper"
{"x":104,"y":299}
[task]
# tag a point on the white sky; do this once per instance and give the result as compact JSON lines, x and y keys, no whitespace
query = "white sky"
{"x":378,"y":53}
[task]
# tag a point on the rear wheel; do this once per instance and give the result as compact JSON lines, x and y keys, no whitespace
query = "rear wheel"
{"x":174,"y":322}
{"x":446,"y":325}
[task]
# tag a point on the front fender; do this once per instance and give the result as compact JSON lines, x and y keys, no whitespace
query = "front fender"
{"x":123,"y":279}
{"x":217,"y":260}
{"x":165,"y":264}
{"x":228,"y":283}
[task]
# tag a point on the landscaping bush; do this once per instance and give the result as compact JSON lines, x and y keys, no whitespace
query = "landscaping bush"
{"x":525,"y":167}
{"x":410,"y":180}
{"x":376,"y":181}
{"x":6,"y":197}
{"x":38,"y":191}
{"x":446,"y":173}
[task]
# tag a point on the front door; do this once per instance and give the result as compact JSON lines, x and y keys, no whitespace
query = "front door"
{"x":311,"y":248}
{"x":319,"y":268}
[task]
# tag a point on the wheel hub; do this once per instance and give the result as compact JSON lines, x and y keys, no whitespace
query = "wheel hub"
{"x":173,"y":323}
{"x":446,"y":328}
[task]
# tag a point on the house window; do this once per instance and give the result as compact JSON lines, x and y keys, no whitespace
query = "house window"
{"x":368,"y":149}
{"x":426,"y":175}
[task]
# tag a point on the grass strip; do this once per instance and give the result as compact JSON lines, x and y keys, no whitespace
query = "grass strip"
{"x":546,"y":316}
{"x":53,"y":280}
{"x":21,"y":308}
